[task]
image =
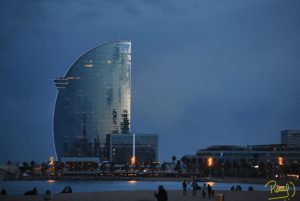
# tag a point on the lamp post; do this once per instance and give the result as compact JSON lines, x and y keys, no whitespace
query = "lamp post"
{"x":210,"y":163}
{"x":133,"y":160}
{"x":280,"y":162}
{"x":51,"y":163}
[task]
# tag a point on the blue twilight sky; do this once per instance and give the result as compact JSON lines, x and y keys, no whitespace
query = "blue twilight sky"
{"x":204,"y":72}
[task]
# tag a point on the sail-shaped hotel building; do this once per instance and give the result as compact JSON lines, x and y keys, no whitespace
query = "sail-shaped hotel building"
{"x":93,"y":100}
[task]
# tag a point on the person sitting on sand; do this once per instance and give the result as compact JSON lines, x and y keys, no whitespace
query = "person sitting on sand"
{"x":32,"y":192}
{"x":162,"y":194}
{"x":67,"y":189}
{"x":250,"y":188}
{"x":238,"y":188}
{"x":3,"y":192}
{"x":48,"y":195}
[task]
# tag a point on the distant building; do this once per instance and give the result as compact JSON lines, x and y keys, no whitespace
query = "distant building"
{"x":290,"y":137}
{"x":80,"y":164}
{"x":222,"y":156}
{"x":264,"y":153}
{"x":122,"y":147}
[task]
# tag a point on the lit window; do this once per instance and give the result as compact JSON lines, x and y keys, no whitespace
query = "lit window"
{"x":88,"y":65}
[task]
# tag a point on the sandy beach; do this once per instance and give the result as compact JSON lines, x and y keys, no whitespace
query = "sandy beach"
{"x":149,"y":196}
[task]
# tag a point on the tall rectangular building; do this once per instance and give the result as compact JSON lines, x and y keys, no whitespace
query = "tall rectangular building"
{"x":290,"y":137}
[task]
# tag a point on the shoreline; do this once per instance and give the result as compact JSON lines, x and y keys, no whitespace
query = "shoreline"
{"x":178,"y":179}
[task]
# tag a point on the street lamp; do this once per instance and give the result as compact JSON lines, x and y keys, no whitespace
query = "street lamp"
{"x":280,"y":161}
{"x":51,"y":163}
{"x":133,"y":160}
{"x":210,"y":161}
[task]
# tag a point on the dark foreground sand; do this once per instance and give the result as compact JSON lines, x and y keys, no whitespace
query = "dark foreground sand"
{"x":149,"y":196}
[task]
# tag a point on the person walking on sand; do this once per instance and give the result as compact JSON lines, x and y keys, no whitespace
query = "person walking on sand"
{"x":162,"y":194}
{"x":194,"y":186}
{"x":3,"y":192}
{"x":203,"y":193}
{"x":184,"y":188}
{"x":209,"y":189}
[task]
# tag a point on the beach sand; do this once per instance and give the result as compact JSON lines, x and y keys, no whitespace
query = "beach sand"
{"x":149,"y":196}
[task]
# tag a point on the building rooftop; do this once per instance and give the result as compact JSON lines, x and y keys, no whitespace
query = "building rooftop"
{"x":263,"y":147}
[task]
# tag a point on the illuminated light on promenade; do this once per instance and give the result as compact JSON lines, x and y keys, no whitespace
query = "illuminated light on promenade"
{"x":280,"y":161}
{"x":210,"y":161}
{"x":133,"y":160}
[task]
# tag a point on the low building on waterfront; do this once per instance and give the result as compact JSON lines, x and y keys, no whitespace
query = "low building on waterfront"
{"x":80,"y":164}
{"x":132,"y":148}
{"x":244,"y":161}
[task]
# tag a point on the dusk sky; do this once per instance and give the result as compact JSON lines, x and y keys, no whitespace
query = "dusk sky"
{"x":204,"y":72}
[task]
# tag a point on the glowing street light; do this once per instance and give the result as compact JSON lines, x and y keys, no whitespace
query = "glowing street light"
{"x":280,"y":161}
{"x":210,"y":161}
{"x":133,"y":160}
{"x":51,"y":165}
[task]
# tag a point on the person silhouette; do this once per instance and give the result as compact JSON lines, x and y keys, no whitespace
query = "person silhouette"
{"x":209,"y":190}
{"x":184,"y":188}
{"x":194,"y":186}
{"x":48,"y":195}
{"x":162,"y":194}
{"x":32,"y":192}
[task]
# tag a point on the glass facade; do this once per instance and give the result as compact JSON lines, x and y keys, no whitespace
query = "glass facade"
{"x":93,"y":100}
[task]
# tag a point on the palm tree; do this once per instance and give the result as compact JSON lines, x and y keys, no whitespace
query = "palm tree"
{"x":178,"y":166}
{"x":32,"y":166}
{"x":174,"y":159}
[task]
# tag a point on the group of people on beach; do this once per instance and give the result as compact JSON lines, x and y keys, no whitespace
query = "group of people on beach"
{"x":206,"y":189}
{"x":47,"y":196}
{"x":162,"y":195}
